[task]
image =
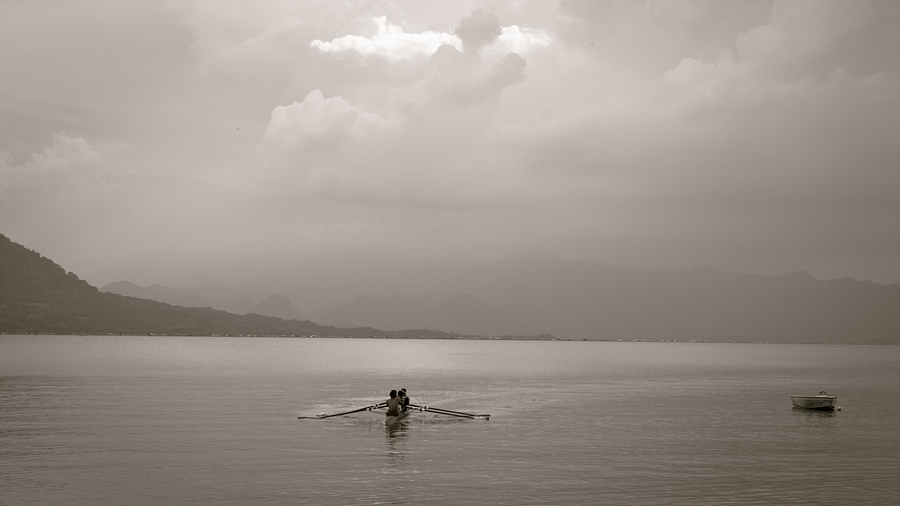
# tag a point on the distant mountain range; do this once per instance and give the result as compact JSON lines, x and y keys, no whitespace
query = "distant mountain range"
{"x":37,"y":296}
{"x":531,"y":294}
{"x":461,"y":313}
{"x":276,"y":305}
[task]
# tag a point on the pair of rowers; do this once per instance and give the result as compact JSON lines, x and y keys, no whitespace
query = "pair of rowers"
{"x":397,"y":403}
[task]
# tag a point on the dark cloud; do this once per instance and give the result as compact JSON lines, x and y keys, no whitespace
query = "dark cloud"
{"x":478,"y":30}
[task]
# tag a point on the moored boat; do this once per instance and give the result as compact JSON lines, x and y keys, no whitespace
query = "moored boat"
{"x":821,"y":401}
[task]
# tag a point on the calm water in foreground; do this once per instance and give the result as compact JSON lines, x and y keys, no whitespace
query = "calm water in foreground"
{"x":166,"y":420}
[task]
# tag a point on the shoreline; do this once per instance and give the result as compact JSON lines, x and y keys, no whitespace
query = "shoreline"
{"x":452,"y":338}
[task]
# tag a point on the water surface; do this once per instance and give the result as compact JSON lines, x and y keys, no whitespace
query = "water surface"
{"x":186,"y":420}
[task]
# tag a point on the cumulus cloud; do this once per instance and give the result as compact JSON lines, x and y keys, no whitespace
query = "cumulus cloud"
{"x":513,"y":39}
{"x":252,"y":56}
{"x":324,"y":147}
{"x":454,"y":82}
{"x":318,"y":123}
{"x":477,"y":31}
{"x":389,"y":41}
{"x":427,"y":147}
{"x":473,"y":78}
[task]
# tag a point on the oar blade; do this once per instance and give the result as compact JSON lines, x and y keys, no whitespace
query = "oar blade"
{"x":460,"y":414}
{"x":323,"y":416}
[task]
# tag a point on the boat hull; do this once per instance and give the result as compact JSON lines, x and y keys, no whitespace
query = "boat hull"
{"x":821,"y":401}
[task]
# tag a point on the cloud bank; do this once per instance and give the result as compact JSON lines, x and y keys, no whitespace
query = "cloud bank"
{"x":755,"y":136}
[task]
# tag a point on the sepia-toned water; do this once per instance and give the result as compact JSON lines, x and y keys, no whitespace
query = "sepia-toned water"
{"x":187,"y":420}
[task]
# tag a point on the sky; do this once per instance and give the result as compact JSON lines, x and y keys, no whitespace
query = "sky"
{"x":189,"y":141}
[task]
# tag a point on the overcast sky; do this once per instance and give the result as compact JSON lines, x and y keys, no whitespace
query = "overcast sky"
{"x":171,"y":137}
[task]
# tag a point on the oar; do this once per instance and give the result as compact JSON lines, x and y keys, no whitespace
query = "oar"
{"x":442,"y":411}
{"x":367,"y":408}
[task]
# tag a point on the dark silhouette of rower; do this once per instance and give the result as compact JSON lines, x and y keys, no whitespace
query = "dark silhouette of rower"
{"x":404,"y":399}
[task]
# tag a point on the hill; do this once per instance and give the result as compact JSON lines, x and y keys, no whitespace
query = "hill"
{"x":39,"y":296}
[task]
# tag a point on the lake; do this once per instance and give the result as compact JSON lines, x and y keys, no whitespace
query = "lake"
{"x":210,"y":420}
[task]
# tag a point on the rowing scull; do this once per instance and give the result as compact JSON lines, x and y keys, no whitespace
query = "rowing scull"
{"x":391,"y":419}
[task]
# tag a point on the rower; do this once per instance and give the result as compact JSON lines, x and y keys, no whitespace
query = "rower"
{"x":393,"y":404}
{"x":404,"y":399}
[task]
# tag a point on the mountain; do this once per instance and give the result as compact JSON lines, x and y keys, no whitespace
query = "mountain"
{"x":590,"y":300}
{"x":521,"y":294}
{"x":386,"y":312}
{"x":158,"y":293}
{"x":207,"y":296}
{"x":128,"y":289}
{"x":39,"y":296}
{"x":203,"y":296}
{"x":279,"y":306}
{"x":463,"y":313}
{"x":467,"y":313}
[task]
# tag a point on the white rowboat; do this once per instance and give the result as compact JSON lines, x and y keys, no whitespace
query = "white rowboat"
{"x":821,"y":401}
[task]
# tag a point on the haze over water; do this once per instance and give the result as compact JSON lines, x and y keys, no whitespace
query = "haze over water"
{"x":165,"y":420}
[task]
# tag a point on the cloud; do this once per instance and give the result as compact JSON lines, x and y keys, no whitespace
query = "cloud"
{"x":389,"y":41}
{"x":330,"y":148}
{"x":453,"y":82}
{"x":738,"y":93}
{"x":318,"y":123}
{"x":772,"y":130}
{"x":67,"y":192}
{"x":477,"y":31}
{"x":70,"y":166}
{"x":324,"y":147}
{"x":752,"y":135}
{"x":798,"y":32}
{"x":643,"y":39}
{"x":251,"y":57}
{"x":521,"y":41}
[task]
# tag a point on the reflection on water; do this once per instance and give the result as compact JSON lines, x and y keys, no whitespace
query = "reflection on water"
{"x":815,"y":424}
{"x":827,"y":413}
{"x":396,"y":444}
{"x":397,"y":429}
